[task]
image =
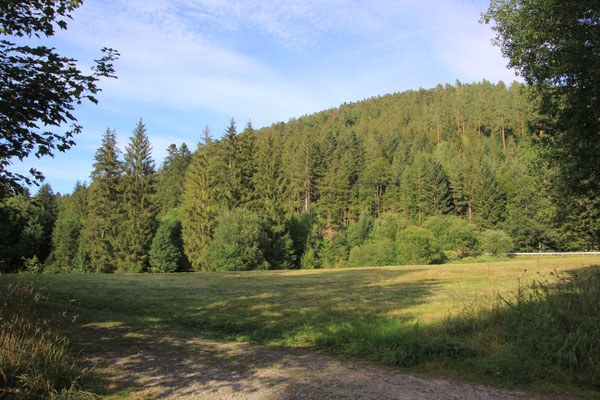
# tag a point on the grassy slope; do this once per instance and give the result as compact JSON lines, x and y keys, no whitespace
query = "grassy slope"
{"x":297,"y":308}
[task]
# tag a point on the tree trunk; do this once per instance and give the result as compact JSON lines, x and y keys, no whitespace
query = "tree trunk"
{"x":420,"y":214}
{"x":503,"y":135}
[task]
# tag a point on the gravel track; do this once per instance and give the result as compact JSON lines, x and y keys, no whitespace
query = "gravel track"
{"x":140,"y":366}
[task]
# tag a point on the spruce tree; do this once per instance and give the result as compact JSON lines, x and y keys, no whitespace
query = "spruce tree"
{"x":67,"y":229}
{"x":171,"y":177}
{"x":200,"y":205}
{"x":302,"y":170}
{"x":489,"y":200}
{"x":139,"y":189}
{"x":268,"y":179}
{"x":65,"y":242}
{"x":437,"y":198}
{"x":375,"y":180}
{"x":247,"y":165}
{"x":230,"y":177}
{"x":100,"y":231}
{"x":46,"y":211}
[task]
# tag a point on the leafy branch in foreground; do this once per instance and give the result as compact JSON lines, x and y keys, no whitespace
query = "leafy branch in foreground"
{"x":39,"y":88}
{"x":555,"y":46}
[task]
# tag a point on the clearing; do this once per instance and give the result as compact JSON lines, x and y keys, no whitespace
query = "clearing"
{"x":252,"y":335}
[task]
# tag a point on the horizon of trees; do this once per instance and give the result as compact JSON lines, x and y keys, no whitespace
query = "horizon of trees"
{"x":413,"y":177}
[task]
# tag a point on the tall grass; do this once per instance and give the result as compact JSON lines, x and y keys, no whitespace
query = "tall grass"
{"x":546,"y":332}
{"x":35,"y":360}
{"x":555,"y":322}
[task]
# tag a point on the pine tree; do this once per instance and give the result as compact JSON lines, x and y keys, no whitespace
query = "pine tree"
{"x":139,"y":189}
{"x":100,"y":231}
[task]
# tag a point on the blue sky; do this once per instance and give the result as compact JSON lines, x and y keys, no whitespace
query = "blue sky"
{"x":186,"y":64}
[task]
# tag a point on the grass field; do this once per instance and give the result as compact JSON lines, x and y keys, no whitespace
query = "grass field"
{"x":331,"y":309}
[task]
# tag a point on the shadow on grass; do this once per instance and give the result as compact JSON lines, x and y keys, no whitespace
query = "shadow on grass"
{"x":143,"y":332}
{"x":545,"y":335}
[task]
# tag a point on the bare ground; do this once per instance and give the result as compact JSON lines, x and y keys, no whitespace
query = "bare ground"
{"x":176,"y":366}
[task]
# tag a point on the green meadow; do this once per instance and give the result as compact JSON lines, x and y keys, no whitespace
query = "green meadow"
{"x":451,"y":320}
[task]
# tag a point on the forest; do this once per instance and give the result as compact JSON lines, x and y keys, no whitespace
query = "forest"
{"x":423,"y":177}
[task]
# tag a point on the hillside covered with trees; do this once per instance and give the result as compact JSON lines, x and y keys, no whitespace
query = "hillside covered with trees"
{"x":416,"y":177}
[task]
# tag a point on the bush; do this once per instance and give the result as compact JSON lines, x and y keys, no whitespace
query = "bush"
{"x":373,"y":253}
{"x":166,"y":251}
{"x":388,"y":226}
{"x":453,"y":233}
{"x":33,"y":265}
{"x":418,"y":246}
{"x":495,"y":242}
{"x":238,"y":243}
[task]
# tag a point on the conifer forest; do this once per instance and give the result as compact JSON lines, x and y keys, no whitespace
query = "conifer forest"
{"x":419,"y":177}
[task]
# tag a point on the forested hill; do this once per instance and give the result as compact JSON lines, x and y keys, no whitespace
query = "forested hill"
{"x":450,"y":170}
{"x":373,"y":154}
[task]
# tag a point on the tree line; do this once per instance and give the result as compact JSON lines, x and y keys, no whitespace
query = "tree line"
{"x":415,"y":177}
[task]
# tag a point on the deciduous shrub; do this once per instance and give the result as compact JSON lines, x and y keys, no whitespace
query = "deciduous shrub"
{"x":453,"y":233}
{"x":388,"y":226}
{"x":495,"y":242}
{"x":166,"y":252}
{"x":418,"y":246}
{"x":374,"y":253}
{"x":238,"y":242}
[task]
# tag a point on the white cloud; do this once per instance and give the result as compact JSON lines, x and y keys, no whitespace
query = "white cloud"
{"x":170,"y":56}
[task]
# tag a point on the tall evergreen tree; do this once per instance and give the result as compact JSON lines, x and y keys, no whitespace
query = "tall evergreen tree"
{"x":45,"y":209}
{"x":489,"y":200}
{"x":437,"y":198}
{"x":268,"y":179}
{"x":100,"y":231}
{"x":247,"y":165}
{"x":171,"y":177}
{"x":67,"y":229}
{"x":139,"y":189}
{"x":200,"y":206}
{"x":230,"y":176}
{"x":302,"y":171}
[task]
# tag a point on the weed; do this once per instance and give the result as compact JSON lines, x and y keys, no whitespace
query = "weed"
{"x":35,"y":361}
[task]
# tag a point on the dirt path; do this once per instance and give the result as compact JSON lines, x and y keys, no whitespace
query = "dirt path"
{"x":139,"y":366}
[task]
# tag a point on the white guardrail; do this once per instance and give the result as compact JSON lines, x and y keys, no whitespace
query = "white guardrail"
{"x":556,"y":253}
